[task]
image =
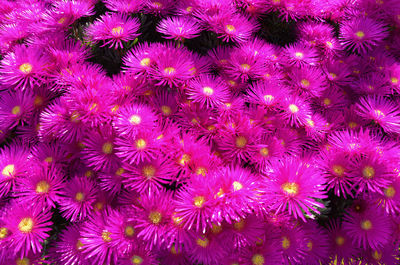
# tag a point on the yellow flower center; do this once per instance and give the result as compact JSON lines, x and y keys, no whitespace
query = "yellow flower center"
{"x":145,"y":62}
{"x":340,"y":240}
{"x":3,"y":232}
{"x":26,"y":225}
{"x":26,"y":68}
{"x":230,"y":28}
{"x":135,"y":119}
{"x":327,"y":101}
{"x":202,"y":242}
{"x":129,"y":231}
{"x":379,"y":114}
{"x":241,"y":141}
{"x":38,"y":101}
{"x":166,"y":110}
{"x":237,"y":185}
{"x":79,"y":196}
{"x":79,"y":245}
{"x":148,"y":171}
{"x":245,"y":67}
{"x":155,"y":217}
{"x":107,"y":148}
{"x":268,"y":98}
{"x":360,"y":34}
{"x":61,"y":20}
{"x":338,"y":170}
{"x":105,"y":235}
{"x":377,"y":255}
{"x":140,"y":144}
{"x":8,"y":171}
{"x":293,"y":108}
{"x":208,"y":91}
{"x":305,"y":83}
{"x":264,"y":151}
{"x":394,"y":80}
{"x":366,"y":225}
{"x":42,"y":187}
{"x":390,"y":192}
{"x":352,"y":125}
{"x":299,"y":55}
{"x":199,"y":201}
{"x":309,"y":245}
{"x":120,"y":171}
{"x":201,"y":171}
{"x":285,"y":242}
{"x":24,"y":261}
{"x":16,"y":110}
{"x":75,"y":117}
{"x":310,"y":123}
{"x":368,"y":172}
{"x":239,"y":225}
{"x":258,"y":259}
{"x":290,"y":188}
{"x":169,"y":70}
{"x":216,"y":229}
{"x":137,"y":260}
{"x":117,"y":31}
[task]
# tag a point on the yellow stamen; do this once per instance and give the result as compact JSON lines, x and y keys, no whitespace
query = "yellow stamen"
{"x":293,"y":108}
{"x":105,"y":235}
{"x":208,"y":91}
{"x":120,"y":171}
{"x":327,"y":101}
{"x":117,"y":31}
{"x":42,"y":187}
{"x":148,"y":171}
{"x":140,"y":144}
{"x":184,"y":159}
{"x":241,"y":141}
{"x":107,"y":148}
{"x":79,"y":245}
{"x":360,"y":34}
{"x":135,"y":119}
{"x":8,"y":171}
{"x":169,"y":70}
{"x":166,"y":110}
{"x":285,"y":242}
{"x":129,"y":231}
{"x":24,"y":261}
{"x":137,"y":260}
{"x":268,"y":98}
{"x":216,"y":229}
{"x":230,"y":28}
{"x":338,"y":170}
{"x":305,"y":83}
{"x":258,"y":259}
{"x":264,"y":151}
{"x":201,"y":171}
{"x":290,"y":188}
{"x":16,"y":110}
{"x":368,"y":172}
{"x":340,"y":240}
{"x":155,"y":217}
{"x":3,"y":232}
{"x":394,"y":80}
{"x":202,"y":242}
{"x":38,"y":101}
{"x":26,"y":68}
{"x":309,"y":245}
{"x":239,"y":225}
{"x":245,"y":67}
{"x":145,"y":62}
{"x":237,"y":185}
{"x":26,"y":225}
{"x":366,"y":225}
{"x":79,"y":196}
{"x":390,"y":192}
{"x":377,"y":255}
{"x":199,"y":201}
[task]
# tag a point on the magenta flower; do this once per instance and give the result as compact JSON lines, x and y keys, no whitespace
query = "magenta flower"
{"x":179,"y":28}
{"x":114,"y":29}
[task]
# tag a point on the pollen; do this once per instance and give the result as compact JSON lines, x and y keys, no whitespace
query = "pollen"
{"x":239,"y":225}
{"x":201,"y":171}
{"x":135,"y":119}
{"x":199,"y":201}
{"x":120,"y":171}
{"x":340,"y":240}
{"x":79,"y":245}
{"x":166,"y":110}
{"x":305,"y":83}
{"x":290,"y":188}
{"x":338,"y":170}
{"x":137,"y":260}
{"x":105,"y":235}
{"x":377,"y":255}
{"x":216,"y":229}
{"x":230,"y":28}
{"x":368,"y":172}
{"x":169,"y":70}
{"x":155,"y":217}
{"x":268,"y":98}
{"x":140,"y":144}
{"x":352,"y":125}
{"x":8,"y":171}
{"x":42,"y":187}
{"x":75,"y":117}
{"x":107,"y":148}
{"x":390,"y":192}
{"x":264,"y":151}
{"x":148,"y":171}
{"x":61,"y":20}
{"x":245,"y":67}
{"x":16,"y":110}
{"x":23,"y":261}
{"x":293,"y":108}
{"x":117,"y":31}
{"x":26,"y":225}
{"x":309,"y":245}
{"x":159,"y":5}
{"x":237,"y":185}
{"x":327,"y":101}
{"x":366,"y":225}
{"x":258,"y":259}
{"x":360,"y":34}
{"x":145,"y":61}
{"x":38,"y":101}
{"x":299,"y":55}
{"x":241,"y":141}
{"x":285,"y":242}
{"x":208,"y":91}
{"x":310,"y":123}
{"x":26,"y":68}
{"x":379,"y":114}
{"x":184,"y":159}
{"x":203,"y":242}
{"x":394,"y":80}
{"x":3,"y":232}
{"x":79,"y":196}
{"x":129,"y":231}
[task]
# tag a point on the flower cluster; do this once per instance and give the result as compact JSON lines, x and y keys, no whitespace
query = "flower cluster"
{"x":188,"y":132}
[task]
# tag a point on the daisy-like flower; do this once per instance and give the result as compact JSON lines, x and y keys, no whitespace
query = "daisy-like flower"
{"x":267,"y":149}
{"x":171,"y":66}
{"x":268,"y":94}
{"x":165,"y":103}
{"x":16,"y":107}
{"x":236,"y":28}
{"x":140,"y":255}
{"x":140,"y":58}
{"x":124,"y":6}
{"x":300,"y":55}
{"x":371,"y":84}
{"x":293,"y":244}
{"x":134,"y":117}
{"x":247,"y":231}
{"x":206,"y":249}
{"x":25,"y":67}
{"x":99,"y":151}
{"x":79,"y":195}
{"x":382,"y":111}
{"x":317,"y":242}
{"x":43,"y":187}
{"x":208,"y":91}
{"x":335,"y":167}
{"x":370,"y":174}
{"x":179,"y":28}
{"x":369,"y":228}
{"x":148,"y":175}
{"x":97,"y":241}
{"x":294,"y":186}
{"x":28,"y":226}
{"x":114,"y":29}
{"x":143,"y":146}
{"x":153,"y":217}
{"x":390,"y":198}
{"x":243,"y":66}
{"x":111,"y":179}
{"x":194,"y":205}
{"x":362,"y":33}
{"x":351,"y":142}
{"x":295,"y":110}
{"x":13,"y":165}
{"x":307,"y":80}
{"x":386,"y":255}
{"x":68,"y":249}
